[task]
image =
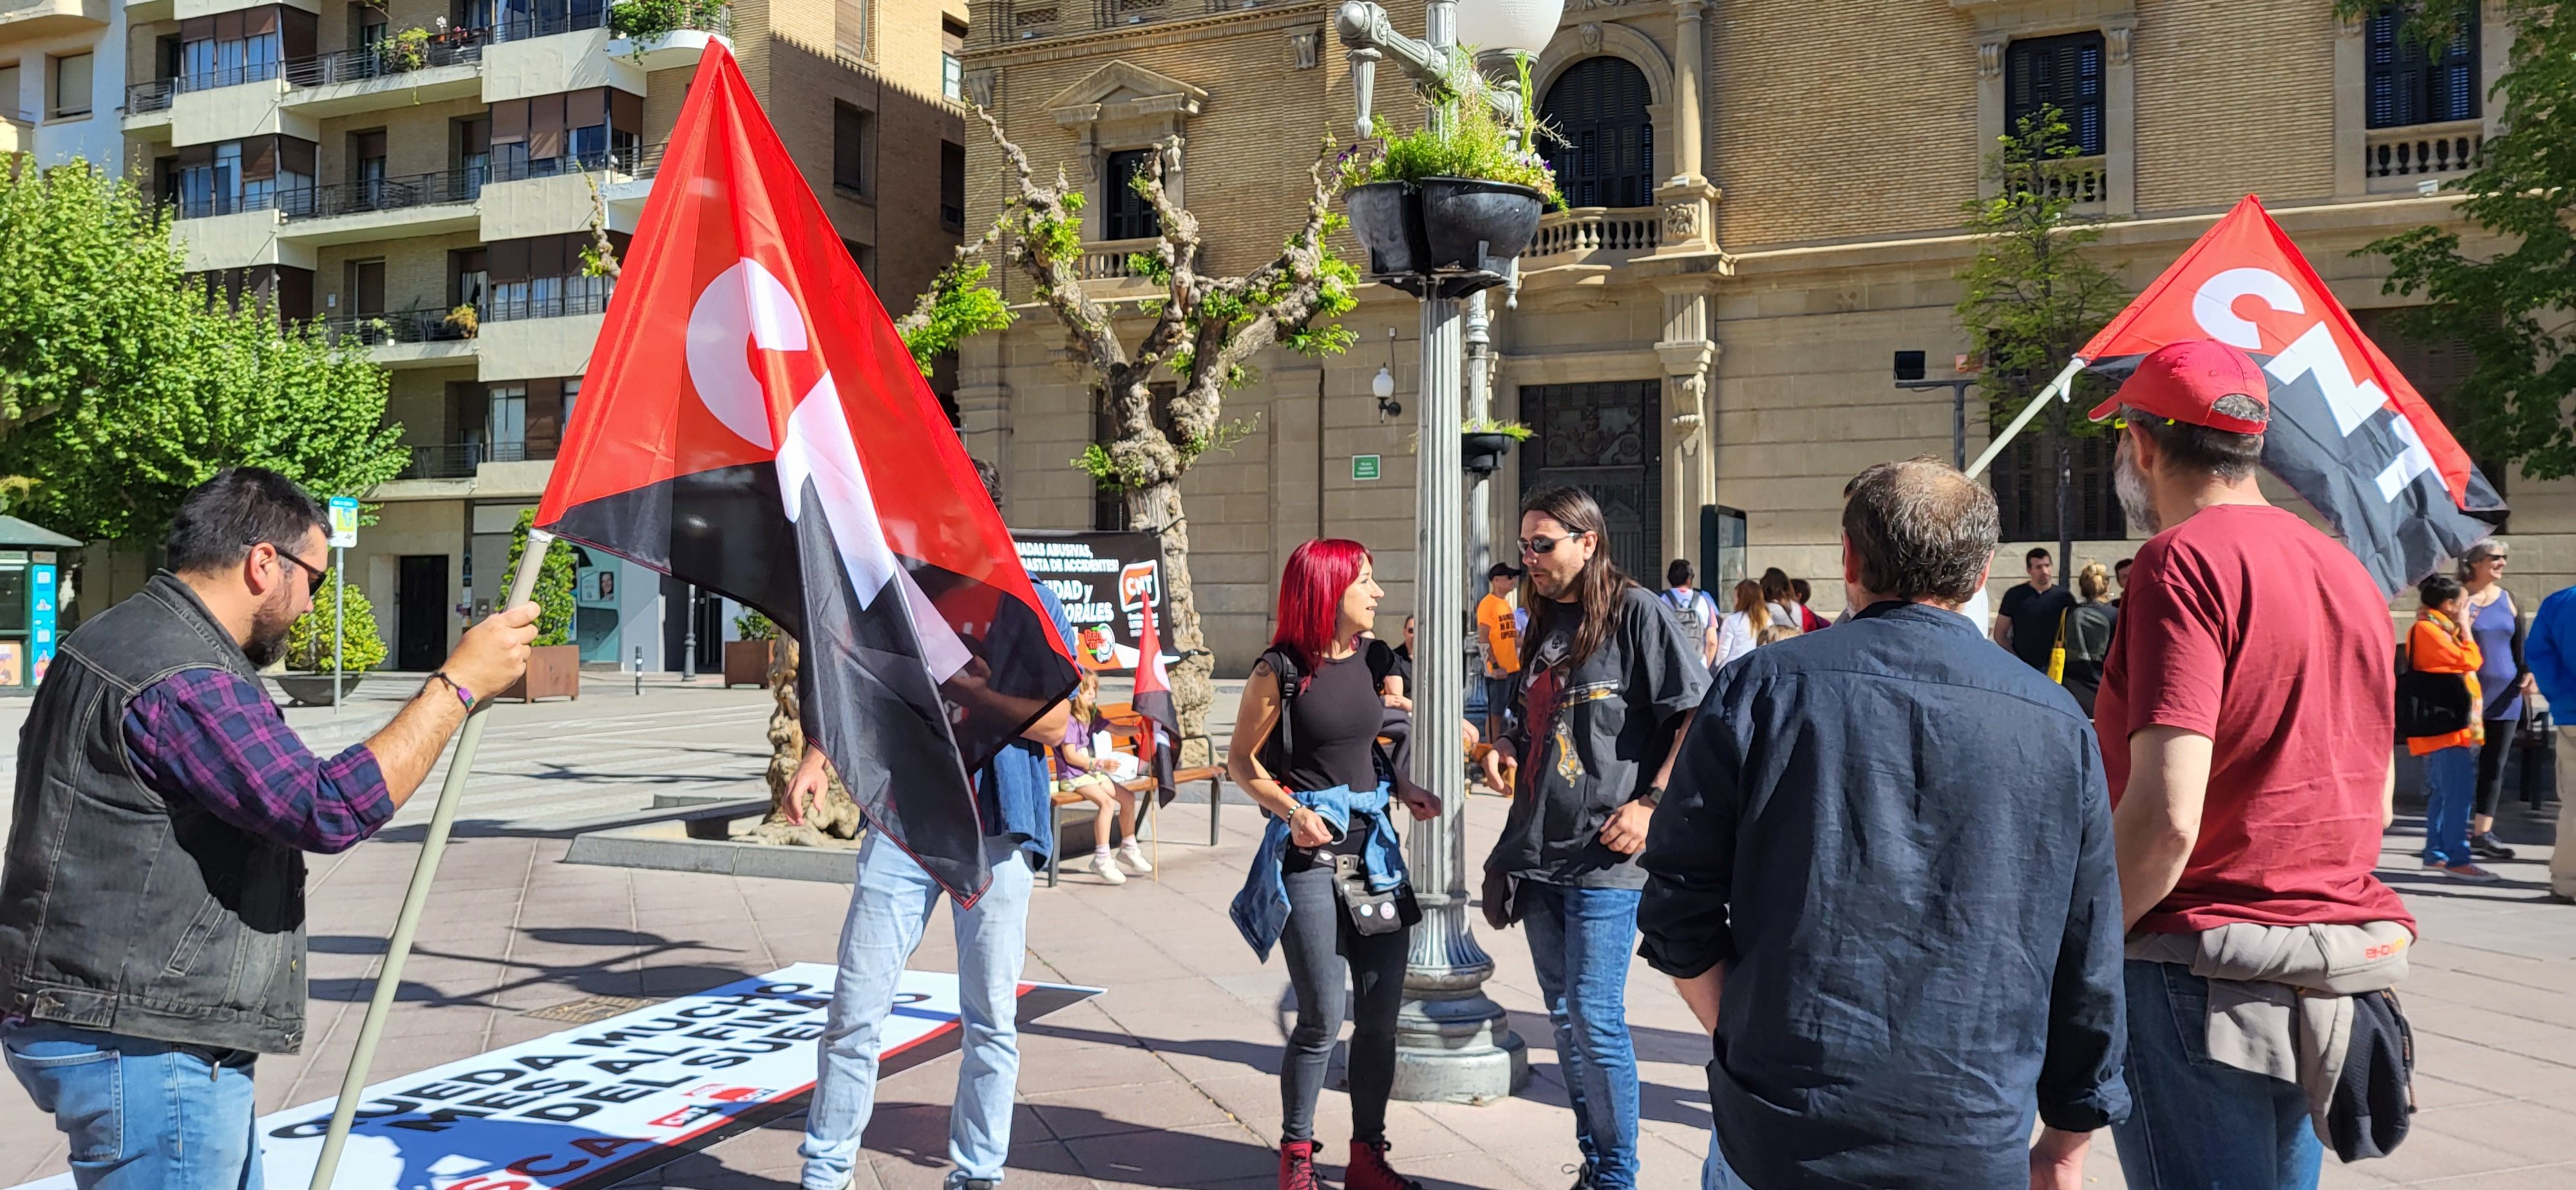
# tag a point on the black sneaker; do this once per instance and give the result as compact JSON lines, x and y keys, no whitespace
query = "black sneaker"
{"x":2485,"y":845}
{"x":1582,"y":1177}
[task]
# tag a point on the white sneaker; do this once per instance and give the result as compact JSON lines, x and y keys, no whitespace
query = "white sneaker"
{"x":1132,"y":858}
{"x":1102,"y":867}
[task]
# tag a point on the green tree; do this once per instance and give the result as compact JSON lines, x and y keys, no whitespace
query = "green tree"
{"x":120,"y":388}
{"x":308,"y":641}
{"x":2512,"y":303}
{"x":555,"y":578}
{"x":2034,"y":293}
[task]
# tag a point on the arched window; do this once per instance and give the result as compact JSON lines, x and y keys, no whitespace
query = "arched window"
{"x":1607,"y":156}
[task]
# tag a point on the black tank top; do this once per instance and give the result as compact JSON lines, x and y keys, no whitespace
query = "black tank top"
{"x":1338,"y":714}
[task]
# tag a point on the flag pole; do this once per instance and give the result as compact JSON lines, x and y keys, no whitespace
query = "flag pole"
{"x":354,"y":1082}
{"x":2058,"y":388}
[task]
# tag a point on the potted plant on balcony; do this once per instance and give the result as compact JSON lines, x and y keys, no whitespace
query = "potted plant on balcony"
{"x":641,"y":21}
{"x":408,"y":51}
{"x":746,"y":661}
{"x":309,"y":645}
{"x":1483,"y":442}
{"x":554,"y":662}
{"x":463,"y":319}
{"x":1462,"y":193}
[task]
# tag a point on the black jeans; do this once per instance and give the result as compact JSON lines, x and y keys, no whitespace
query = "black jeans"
{"x":2491,"y":764}
{"x":1318,"y":942}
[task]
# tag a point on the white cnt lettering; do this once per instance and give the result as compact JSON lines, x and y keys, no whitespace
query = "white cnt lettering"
{"x":2411,"y":462}
{"x":2213,"y":305}
{"x":2315,"y":354}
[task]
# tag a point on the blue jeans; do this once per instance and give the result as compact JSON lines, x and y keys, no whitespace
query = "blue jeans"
{"x":2450,"y":791}
{"x":1581,"y":940}
{"x":2195,"y":1123}
{"x":893,"y":899}
{"x":141,"y":1115}
{"x":1715,"y":1174}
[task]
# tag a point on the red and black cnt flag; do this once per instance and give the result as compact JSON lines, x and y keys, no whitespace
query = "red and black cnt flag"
{"x":2348,"y":433}
{"x":1158,"y":735}
{"x":753,"y":424}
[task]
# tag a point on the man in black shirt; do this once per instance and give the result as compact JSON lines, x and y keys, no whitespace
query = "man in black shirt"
{"x":1882,"y":877}
{"x":2027,"y":621}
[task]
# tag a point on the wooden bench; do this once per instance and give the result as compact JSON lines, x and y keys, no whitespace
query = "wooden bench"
{"x":1124,"y":726}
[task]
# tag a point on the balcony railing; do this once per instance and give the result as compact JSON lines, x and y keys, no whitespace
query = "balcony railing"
{"x":1027,"y":20}
{"x":146,"y":98}
{"x":704,"y":16}
{"x":206,"y":206}
{"x":387,"y":194}
{"x":1107,"y":260}
{"x":1590,"y":233}
{"x":2075,"y":179}
{"x":399,"y":326}
{"x":566,"y":298}
{"x":457,"y":460}
{"x":387,"y":58}
{"x":2422,"y":151}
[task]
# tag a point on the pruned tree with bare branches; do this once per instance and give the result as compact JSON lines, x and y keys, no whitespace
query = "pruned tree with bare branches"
{"x":1202,"y":333}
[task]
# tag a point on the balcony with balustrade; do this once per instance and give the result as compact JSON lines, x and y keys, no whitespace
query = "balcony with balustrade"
{"x":382,"y":208}
{"x":2419,"y":158}
{"x":1108,"y":267}
{"x":397,"y":72}
{"x":462,"y":460}
{"x":668,"y":35}
{"x":1593,"y":237}
{"x":405,"y":339}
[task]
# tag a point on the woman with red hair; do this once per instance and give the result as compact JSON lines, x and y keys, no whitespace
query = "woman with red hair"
{"x":1328,"y":883}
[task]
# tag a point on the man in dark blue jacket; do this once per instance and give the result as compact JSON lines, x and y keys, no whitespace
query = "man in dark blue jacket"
{"x":1883,"y":878}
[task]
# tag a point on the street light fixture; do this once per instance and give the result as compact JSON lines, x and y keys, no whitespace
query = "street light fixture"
{"x":1453,"y":1043}
{"x":1909,"y":376}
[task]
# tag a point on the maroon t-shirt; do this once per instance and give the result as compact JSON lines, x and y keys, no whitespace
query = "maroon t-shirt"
{"x":2246,"y":625}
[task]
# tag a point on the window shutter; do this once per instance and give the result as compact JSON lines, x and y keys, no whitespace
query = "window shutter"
{"x":1608,"y":160}
{"x":849,"y":148}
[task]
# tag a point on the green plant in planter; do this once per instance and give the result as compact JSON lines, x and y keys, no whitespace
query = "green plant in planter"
{"x":1468,"y":140}
{"x":645,"y":20}
{"x":752,"y":625}
{"x":308,"y":640}
{"x":1486,"y":425}
{"x":464,"y":319}
{"x":555,"y":578}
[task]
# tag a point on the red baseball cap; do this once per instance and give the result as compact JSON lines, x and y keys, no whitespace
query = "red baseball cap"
{"x":2184,"y":381}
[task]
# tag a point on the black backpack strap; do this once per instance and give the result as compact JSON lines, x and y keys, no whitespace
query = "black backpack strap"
{"x":1285,"y":668}
{"x":1381,"y":663}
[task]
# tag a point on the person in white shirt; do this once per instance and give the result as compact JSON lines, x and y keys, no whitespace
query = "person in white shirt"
{"x":1742,"y":629}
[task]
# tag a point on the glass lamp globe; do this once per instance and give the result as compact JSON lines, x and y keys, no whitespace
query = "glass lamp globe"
{"x":1508,"y":26}
{"x":1382,"y":385}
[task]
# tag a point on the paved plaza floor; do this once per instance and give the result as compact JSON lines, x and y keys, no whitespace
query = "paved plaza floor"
{"x":1169,"y":1079}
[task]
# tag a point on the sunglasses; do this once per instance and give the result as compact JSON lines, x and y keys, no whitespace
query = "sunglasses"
{"x":314,"y":576}
{"x":1545,"y":545}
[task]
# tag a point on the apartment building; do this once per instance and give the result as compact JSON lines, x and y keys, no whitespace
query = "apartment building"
{"x":59,"y":83}
{"x":423,"y":177}
{"x":1765,"y":208}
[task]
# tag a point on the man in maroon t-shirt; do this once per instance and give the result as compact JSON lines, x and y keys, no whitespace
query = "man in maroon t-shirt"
{"x":2246,"y":714}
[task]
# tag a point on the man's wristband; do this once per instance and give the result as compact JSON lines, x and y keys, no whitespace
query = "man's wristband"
{"x":463,"y":695}
{"x":1650,"y":797}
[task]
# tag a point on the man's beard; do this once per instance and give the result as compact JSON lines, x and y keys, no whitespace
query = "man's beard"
{"x":268,"y":629}
{"x":2131,"y":485}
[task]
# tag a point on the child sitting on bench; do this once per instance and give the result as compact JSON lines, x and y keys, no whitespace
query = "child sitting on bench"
{"x":1086,"y":768}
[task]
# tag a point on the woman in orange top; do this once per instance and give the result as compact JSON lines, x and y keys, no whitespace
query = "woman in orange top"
{"x":2441,"y":643}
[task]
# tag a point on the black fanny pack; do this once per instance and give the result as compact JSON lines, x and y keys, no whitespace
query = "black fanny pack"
{"x":1371,"y":912}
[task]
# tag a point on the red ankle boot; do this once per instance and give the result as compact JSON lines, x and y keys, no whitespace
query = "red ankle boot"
{"x":1369,"y":1171}
{"x":1297,"y":1165}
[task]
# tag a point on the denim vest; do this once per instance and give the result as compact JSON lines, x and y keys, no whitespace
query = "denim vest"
{"x":119,"y":910}
{"x":1260,"y":911}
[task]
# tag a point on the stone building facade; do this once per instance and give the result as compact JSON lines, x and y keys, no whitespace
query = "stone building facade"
{"x":1766,"y":207}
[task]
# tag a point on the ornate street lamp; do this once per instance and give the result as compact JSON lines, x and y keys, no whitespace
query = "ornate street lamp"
{"x":1453,"y":1043}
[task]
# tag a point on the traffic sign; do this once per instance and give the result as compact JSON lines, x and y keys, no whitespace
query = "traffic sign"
{"x":344,"y":522}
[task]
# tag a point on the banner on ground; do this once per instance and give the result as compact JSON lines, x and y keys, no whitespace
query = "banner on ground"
{"x":1106,"y":581}
{"x":596,"y":1104}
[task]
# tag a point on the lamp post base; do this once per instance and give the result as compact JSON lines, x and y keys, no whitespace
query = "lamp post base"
{"x":1457,"y":1048}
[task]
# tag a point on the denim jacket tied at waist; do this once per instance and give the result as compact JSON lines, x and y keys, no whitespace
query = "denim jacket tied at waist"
{"x":1261,"y":909}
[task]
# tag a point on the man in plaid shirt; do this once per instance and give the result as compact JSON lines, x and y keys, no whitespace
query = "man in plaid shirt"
{"x":152,"y":903}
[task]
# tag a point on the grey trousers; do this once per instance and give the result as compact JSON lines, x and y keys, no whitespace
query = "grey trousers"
{"x":1320,"y":945}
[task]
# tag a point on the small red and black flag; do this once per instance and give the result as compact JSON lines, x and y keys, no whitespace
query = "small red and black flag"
{"x":2348,"y":433}
{"x":752,"y":423}
{"x":1158,"y":735}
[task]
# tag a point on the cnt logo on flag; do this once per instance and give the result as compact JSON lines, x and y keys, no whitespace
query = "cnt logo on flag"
{"x":2348,"y":432}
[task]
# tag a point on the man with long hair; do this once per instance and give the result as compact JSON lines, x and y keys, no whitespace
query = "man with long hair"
{"x":1609,"y":684}
{"x":1884,"y":882}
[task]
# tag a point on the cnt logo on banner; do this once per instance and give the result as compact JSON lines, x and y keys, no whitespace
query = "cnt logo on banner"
{"x":596,"y":1104}
{"x":1107,"y":580}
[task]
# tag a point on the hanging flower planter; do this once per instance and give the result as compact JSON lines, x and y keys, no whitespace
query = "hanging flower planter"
{"x":1482,"y":454}
{"x":1443,"y":225}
